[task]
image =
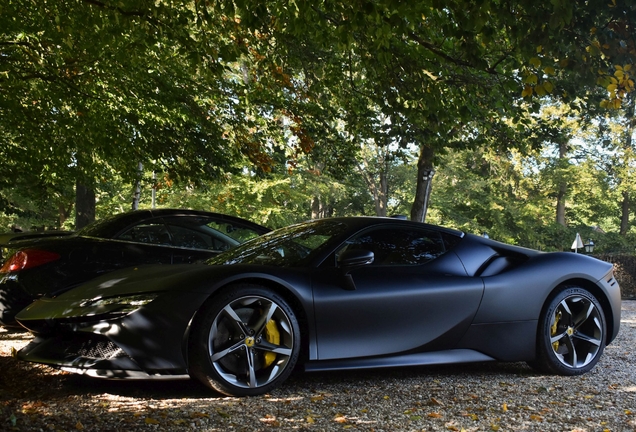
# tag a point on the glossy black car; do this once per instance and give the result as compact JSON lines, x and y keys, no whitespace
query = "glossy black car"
{"x":342,"y":293}
{"x":49,"y":265}
{"x":8,"y":239}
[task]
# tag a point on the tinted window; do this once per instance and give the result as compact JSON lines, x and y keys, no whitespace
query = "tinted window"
{"x":196,"y":233}
{"x":398,"y":246}
{"x":286,"y":247}
{"x":152,"y":233}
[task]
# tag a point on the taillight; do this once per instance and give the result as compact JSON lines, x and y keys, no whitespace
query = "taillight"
{"x":28,"y":258}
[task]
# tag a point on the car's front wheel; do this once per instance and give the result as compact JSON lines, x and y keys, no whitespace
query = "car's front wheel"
{"x":571,"y":334}
{"x":246,"y":342}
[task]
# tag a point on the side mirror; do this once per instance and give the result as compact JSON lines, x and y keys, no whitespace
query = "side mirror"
{"x":352,"y":259}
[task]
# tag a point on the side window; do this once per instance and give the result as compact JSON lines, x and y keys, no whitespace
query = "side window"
{"x":152,"y":233}
{"x":196,"y":233}
{"x":398,"y":247}
{"x":238,"y":233}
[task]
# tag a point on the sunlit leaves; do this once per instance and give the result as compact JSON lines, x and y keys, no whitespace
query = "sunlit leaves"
{"x":618,"y":85}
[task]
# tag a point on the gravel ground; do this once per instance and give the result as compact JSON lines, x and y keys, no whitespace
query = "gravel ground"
{"x":478,"y":397}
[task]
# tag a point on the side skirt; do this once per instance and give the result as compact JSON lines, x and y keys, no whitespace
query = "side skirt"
{"x":417,"y":359}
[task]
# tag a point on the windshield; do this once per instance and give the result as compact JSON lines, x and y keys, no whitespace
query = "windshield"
{"x":287,"y":247}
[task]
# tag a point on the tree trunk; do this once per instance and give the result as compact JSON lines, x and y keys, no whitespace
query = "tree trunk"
{"x":563,"y":188}
{"x":63,"y":213}
{"x":425,"y":174}
{"x":137,"y":194}
{"x":84,"y":205}
{"x":625,"y":214}
{"x":560,"y":208}
{"x":315,"y":208}
{"x":379,"y":191}
{"x":629,"y":133}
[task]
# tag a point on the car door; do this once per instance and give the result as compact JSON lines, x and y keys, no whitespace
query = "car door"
{"x":415,"y":296}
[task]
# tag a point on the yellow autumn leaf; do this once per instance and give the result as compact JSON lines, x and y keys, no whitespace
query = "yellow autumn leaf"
{"x":150,"y":420}
{"x":604,"y":104}
{"x":619,"y":74}
{"x":505,"y":407}
{"x":311,"y":420}
{"x":535,"y":61}
{"x":549,"y":70}
{"x":434,"y":415}
{"x":536,"y":417}
{"x":79,"y":426}
{"x":548,"y":86}
{"x":527,"y":91}
{"x":539,"y":49}
{"x":531,"y":79}
{"x":627,"y":67}
{"x":540,"y":90}
{"x":616,"y":103}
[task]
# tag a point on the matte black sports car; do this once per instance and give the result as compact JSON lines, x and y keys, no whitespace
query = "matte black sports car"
{"x":50,"y":265}
{"x":342,"y":293}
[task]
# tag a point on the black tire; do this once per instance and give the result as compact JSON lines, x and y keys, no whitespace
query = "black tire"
{"x":571,"y":334}
{"x":245,"y":342}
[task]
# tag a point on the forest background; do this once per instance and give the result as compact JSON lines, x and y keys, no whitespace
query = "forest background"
{"x":512,"y":118}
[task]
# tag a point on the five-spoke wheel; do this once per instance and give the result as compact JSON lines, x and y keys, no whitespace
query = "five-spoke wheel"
{"x":246,"y":343}
{"x":572,"y":333}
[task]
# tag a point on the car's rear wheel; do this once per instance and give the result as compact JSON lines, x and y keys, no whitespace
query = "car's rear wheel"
{"x":571,"y":334}
{"x":246,"y":342}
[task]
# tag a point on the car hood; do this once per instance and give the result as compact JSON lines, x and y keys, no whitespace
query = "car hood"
{"x":139,"y":282}
{"x":135,"y":280}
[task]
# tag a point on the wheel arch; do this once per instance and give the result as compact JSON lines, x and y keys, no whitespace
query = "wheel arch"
{"x":595,"y":290}
{"x":279,"y":288}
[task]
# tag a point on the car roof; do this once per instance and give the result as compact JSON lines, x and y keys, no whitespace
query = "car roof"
{"x":110,"y":226}
{"x":360,"y":222}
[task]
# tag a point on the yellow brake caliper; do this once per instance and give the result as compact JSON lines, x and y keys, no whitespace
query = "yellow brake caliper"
{"x":272,"y":335}
{"x":553,"y":330}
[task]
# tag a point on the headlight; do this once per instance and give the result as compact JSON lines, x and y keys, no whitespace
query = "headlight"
{"x":117,"y":305}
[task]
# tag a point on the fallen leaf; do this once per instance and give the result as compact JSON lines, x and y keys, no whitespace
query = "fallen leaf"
{"x":505,"y":407}
{"x":434,"y":415}
{"x":340,"y":419}
{"x":150,"y":420}
{"x":311,"y":420}
{"x":199,"y":415}
{"x":452,"y":426}
{"x":224,"y":414}
{"x":79,"y":426}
